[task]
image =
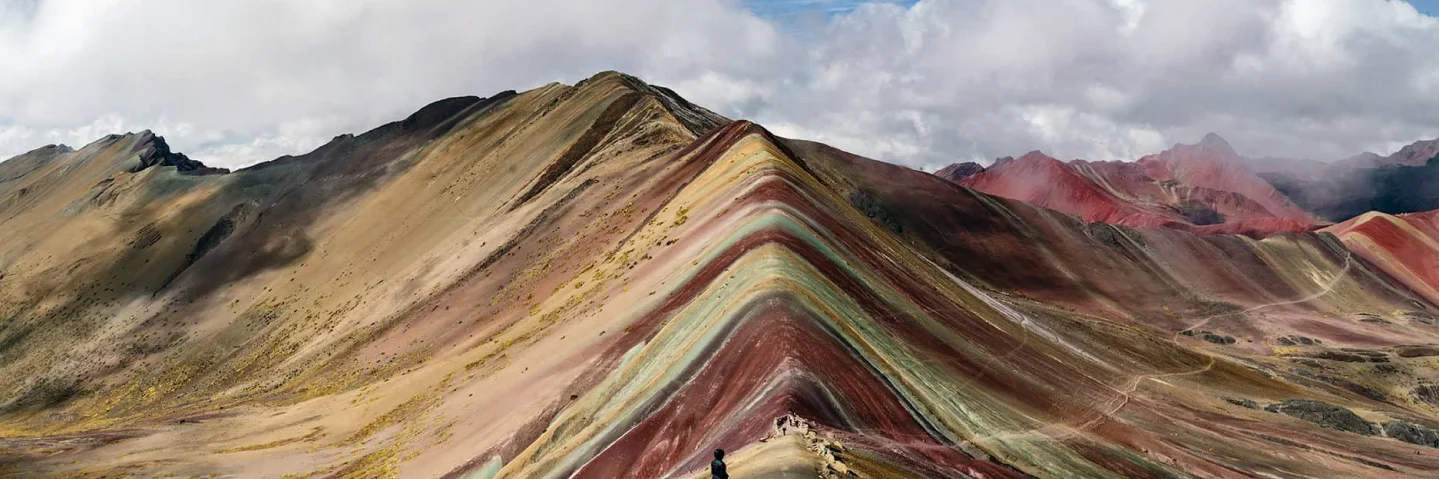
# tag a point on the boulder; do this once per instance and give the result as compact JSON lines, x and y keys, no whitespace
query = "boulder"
{"x":1324,"y":414}
{"x":1412,"y":433}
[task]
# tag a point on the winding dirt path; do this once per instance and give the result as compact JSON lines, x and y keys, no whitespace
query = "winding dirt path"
{"x":1133,"y":384}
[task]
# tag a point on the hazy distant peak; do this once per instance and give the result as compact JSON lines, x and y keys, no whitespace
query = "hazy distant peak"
{"x":1213,"y":142}
{"x":1034,"y":156}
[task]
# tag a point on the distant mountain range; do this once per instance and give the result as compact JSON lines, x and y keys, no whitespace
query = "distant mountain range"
{"x":1208,"y":187}
{"x":1415,"y":154}
{"x":1406,"y":182}
{"x":1204,"y":187}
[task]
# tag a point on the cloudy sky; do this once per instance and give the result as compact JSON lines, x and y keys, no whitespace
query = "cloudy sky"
{"x":923,"y":83}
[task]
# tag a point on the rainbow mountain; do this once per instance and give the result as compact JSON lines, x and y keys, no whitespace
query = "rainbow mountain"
{"x":605,"y":280}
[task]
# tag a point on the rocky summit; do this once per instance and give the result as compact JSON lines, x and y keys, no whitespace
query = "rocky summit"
{"x":605,"y":280}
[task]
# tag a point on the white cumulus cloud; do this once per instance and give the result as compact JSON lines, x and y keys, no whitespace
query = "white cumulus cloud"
{"x":234,"y":82}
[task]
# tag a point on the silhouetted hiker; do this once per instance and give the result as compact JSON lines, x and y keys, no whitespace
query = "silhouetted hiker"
{"x":717,"y":466}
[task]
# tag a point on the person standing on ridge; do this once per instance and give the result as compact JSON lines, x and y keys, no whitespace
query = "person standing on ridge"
{"x":717,"y":470}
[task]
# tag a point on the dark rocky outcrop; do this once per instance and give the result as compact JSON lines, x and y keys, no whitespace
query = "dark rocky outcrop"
{"x":1412,"y":433}
{"x":1217,"y":339}
{"x":154,"y":151}
{"x":958,"y":171}
{"x":1298,"y":340}
{"x":1324,"y":414}
{"x":1209,"y":336}
{"x":1350,"y":356}
{"x":1427,"y":394}
{"x":1416,"y":351}
{"x":146,"y":237}
{"x":1244,"y":403}
{"x":1386,"y":369}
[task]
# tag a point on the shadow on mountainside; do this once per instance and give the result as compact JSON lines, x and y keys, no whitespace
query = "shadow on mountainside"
{"x":256,"y":221}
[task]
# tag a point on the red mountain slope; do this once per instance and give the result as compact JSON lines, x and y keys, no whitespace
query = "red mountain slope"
{"x":1041,"y":180}
{"x":1404,"y":246}
{"x":1213,"y":164}
{"x":1204,"y":187}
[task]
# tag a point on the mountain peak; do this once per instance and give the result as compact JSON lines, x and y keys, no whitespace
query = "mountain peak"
{"x":695,"y":118}
{"x":958,"y":171}
{"x":1213,"y":142}
{"x":1417,"y":154}
{"x":56,"y":148}
{"x":1001,"y":161}
{"x":1034,"y":156}
{"x":1414,"y":154}
{"x":611,"y":76}
{"x":1366,"y":158}
{"x":154,"y":150}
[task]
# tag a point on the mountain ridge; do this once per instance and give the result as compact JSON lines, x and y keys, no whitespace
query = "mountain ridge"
{"x":1413,"y":154}
{"x":571,"y":282}
{"x":1201,"y":187}
{"x":1325,"y":192}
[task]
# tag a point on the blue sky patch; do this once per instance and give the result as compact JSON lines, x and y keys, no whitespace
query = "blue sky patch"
{"x":789,"y":9}
{"x":1427,"y":7}
{"x":785,"y":10}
